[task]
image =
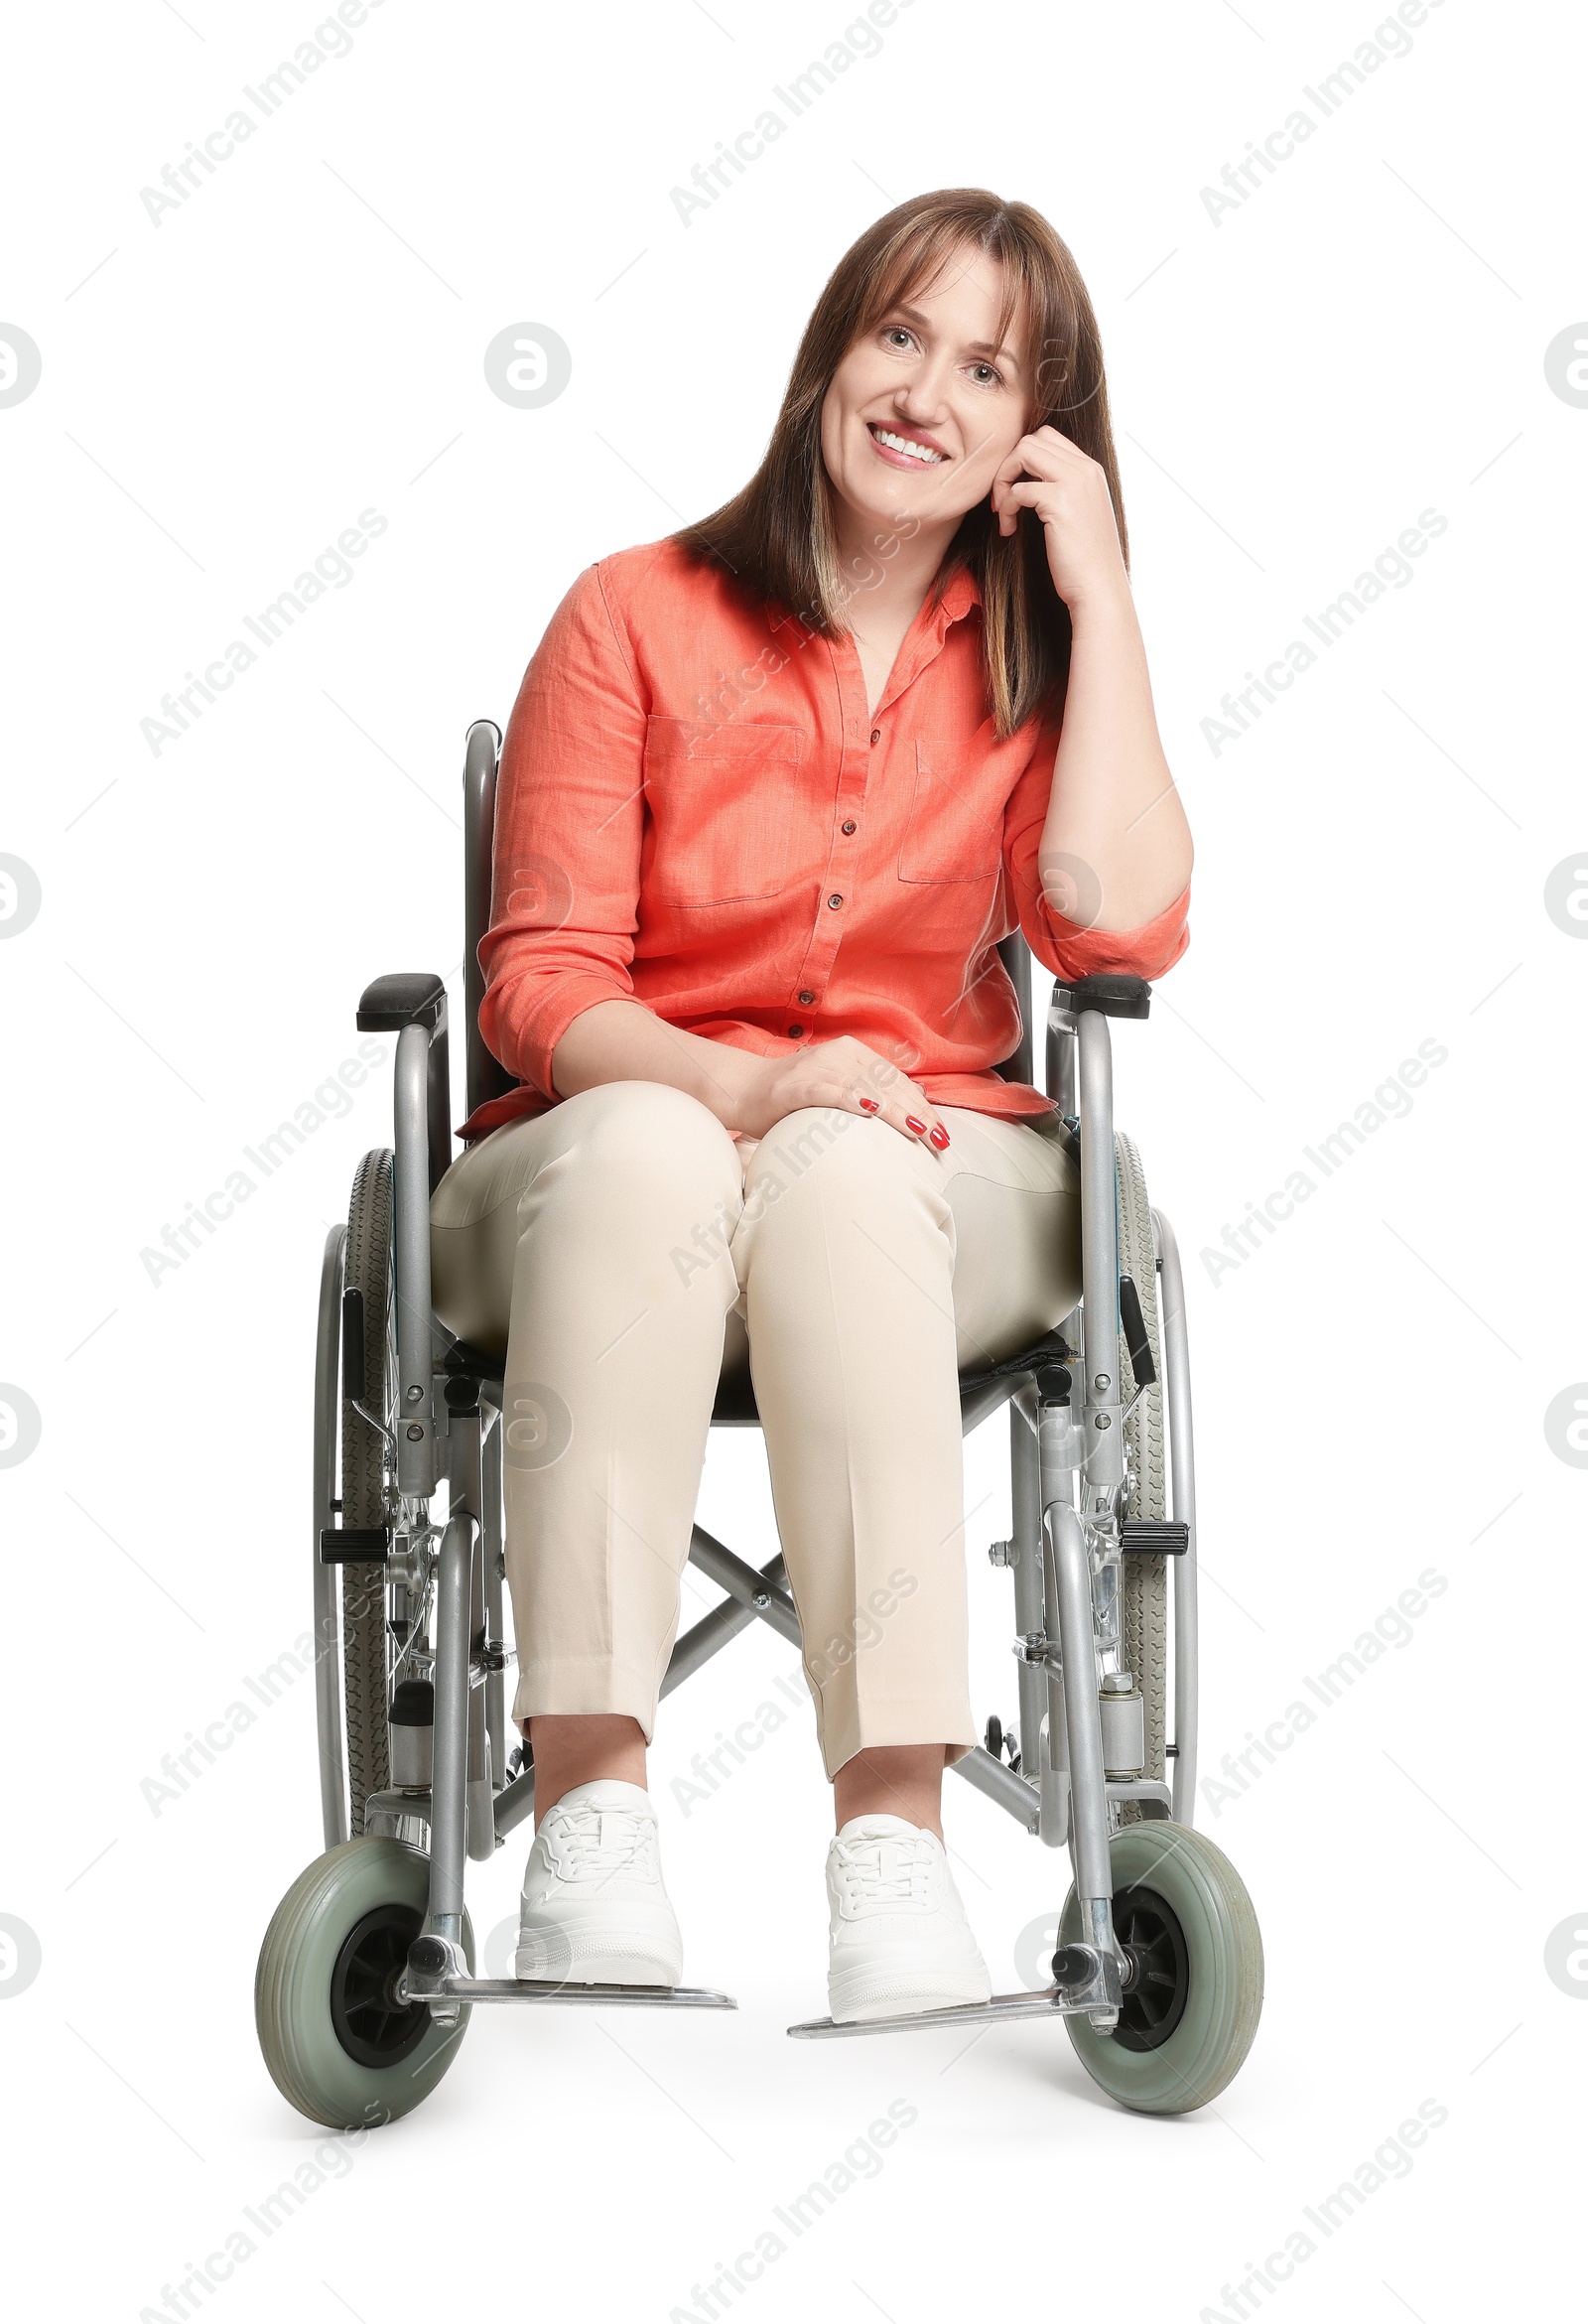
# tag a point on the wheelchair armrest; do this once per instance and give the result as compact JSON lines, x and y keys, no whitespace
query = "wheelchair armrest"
{"x":393,"y":1002}
{"x":1111,"y":995}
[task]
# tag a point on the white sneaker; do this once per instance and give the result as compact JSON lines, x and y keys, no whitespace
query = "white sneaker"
{"x":900,"y":1942}
{"x":593,"y":1910}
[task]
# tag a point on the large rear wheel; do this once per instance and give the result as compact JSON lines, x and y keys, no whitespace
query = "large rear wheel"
{"x":1144,"y":1594}
{"x":368,"y":1484}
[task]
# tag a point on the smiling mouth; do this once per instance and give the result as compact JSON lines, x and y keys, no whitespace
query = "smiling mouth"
{"x":905,"y":447}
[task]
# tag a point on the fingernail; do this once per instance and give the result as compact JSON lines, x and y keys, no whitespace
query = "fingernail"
{"x":940,"y":1136}
{"x":910,"y":1123}
{"x":869,"y":1105}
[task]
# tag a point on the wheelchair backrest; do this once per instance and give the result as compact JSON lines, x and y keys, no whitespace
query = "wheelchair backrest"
{"x":487,"y":1077}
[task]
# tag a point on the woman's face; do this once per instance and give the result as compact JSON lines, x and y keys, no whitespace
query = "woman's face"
{"x":926,"y":406}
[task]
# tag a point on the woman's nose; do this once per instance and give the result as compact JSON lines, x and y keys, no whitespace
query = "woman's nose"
{"x":920,"y":404}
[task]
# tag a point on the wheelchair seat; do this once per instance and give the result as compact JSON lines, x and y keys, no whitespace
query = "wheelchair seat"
{"x":982,"y":1391}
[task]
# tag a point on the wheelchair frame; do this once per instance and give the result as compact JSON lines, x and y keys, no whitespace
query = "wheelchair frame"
{"x":1072,"y":1532}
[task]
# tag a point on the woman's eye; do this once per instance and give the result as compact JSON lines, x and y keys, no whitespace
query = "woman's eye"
{"x":983,"y":374}
{"x":897,"y":335}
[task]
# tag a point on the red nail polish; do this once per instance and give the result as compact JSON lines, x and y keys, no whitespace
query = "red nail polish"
{"x":940,"y":1136}
{"x":869,"y":1105}
{"x":910,"y":1123}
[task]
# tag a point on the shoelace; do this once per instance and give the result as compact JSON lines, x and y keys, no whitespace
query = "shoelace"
{"x":593,"y":1843}
{"x":874,"y":1873}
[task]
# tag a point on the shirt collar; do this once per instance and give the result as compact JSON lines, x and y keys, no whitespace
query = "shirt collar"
{"x":960,"y":595}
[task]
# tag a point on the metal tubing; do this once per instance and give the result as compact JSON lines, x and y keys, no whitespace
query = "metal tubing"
{"x":416,"y":1440}
{"x":481,"y":1826}
{"x":1089,"y":1811}
{"x":437,"y":1104}
{"x":979,"y":1403}
{"x":328,"y":1674}
{"x":485,"y":1077}
{"x":1099,"y":1259}
{"x":515,"y":1803}
{"x":1026,"y":1539}
{"x":742,"y":1583}
{"x":1061,"y":1067}
{"x":449,"y":1834}
{"x":511,"y":1989}
{"x":998,"y":2011}
{"x":714,"y":1630}
{"x":998,"y":1782}
{"x":1056,"y":1460}
{"x":491,"y":1558}
{"x":1183,"y":1484}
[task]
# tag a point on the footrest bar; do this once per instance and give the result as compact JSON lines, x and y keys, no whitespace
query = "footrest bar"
{"x":1001,"y":2008}
{"x":513,"y":1988}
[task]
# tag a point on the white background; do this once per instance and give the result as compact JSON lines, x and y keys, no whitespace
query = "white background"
{"x":301,"y":339}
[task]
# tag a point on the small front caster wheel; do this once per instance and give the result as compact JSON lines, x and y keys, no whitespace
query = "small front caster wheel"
{"x":1195,"y":1991}
{"x":340,"y":2045}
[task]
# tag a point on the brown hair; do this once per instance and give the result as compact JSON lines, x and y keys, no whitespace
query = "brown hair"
{"x":778,"y":536}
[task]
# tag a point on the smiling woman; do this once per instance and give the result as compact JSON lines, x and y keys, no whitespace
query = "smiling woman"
{"x":772,"y":793}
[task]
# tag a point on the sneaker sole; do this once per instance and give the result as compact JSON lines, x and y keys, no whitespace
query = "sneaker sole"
{"x":853,"y":2000}
{"x":552,"y":1957}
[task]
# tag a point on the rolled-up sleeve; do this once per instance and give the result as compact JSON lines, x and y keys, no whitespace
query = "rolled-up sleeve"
{"x":570,"y":817}
{"x":1070,"y":945}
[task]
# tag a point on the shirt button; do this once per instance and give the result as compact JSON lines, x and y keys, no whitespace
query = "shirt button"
{"x":849,"y":830}
{"x":834,"y":901}
{"x":806,"y":999}
{"x":877,"y":736}
{"x":795,"y":1032}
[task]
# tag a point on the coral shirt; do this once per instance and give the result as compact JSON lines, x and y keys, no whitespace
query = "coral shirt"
{"x":696,"y":810}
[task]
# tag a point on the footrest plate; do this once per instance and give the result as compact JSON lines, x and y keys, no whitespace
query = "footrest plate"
{"x":513,"y":1988}
{"x":1001,"y":2008}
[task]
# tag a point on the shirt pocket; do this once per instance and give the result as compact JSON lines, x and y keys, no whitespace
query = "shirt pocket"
{"x":722,"y":808}
{"x":955,"y":825}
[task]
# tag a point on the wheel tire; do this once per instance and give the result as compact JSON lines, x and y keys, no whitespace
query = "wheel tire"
{"x":300,"y":2000}
{"x":1144,"y":1597}
{"x":1219,"y":1983}
{"x":365,"y":1651}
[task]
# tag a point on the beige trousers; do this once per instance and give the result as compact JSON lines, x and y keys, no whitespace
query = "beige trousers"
{"x":626,"y":1251}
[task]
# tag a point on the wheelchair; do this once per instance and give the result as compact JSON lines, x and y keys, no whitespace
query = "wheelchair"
{"x":367,"y":1979}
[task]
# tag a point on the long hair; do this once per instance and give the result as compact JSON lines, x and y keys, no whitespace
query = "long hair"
{"x":777,"y":535}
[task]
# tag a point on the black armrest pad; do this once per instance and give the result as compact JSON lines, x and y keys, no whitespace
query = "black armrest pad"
{"x":1109,"y":996}
{"x":390,"y":1002}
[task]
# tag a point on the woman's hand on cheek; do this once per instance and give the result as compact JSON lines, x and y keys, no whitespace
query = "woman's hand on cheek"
{"x":1070,"y":494}
{"x":846,"y":1074}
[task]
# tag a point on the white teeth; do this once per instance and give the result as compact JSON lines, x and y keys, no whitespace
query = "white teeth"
{"x":904,"y":444}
